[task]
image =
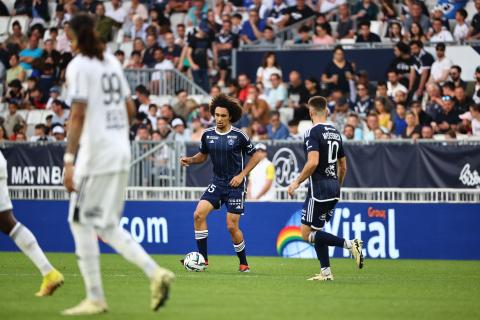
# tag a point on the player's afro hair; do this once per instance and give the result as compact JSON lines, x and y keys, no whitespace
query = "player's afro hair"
{"x":231,"y":104}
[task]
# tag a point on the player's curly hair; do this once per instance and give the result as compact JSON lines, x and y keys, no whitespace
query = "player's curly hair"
{"x":88,"y":41}
{"x":231,"y":104}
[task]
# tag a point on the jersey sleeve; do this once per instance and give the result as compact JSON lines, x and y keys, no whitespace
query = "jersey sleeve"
{"x":247,"y":144}
{"x":271,"y":172}
{"x":203,"y":144}
{"x":312,"y":142}
{"x":77,"y":82}
{"x":341,"y":153}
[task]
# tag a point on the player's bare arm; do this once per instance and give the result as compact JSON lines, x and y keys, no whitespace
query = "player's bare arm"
{"x":77,"y":118}
{"x":342,"y":169}
{"x":131,"y":111}
{"x":307,"y":171}
{"x":238,"y":179}
{"x":196,"y":159}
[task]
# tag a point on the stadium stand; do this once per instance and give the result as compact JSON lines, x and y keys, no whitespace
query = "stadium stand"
{"x":198,"y":40}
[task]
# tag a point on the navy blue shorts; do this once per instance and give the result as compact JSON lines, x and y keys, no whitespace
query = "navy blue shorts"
{"x":232,"y":198}
{"x":316,"y":213}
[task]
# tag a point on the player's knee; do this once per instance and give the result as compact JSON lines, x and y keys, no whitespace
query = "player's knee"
{"x":232,"y":227}
{"x":198,"y":216}
{"x":7,"y":222}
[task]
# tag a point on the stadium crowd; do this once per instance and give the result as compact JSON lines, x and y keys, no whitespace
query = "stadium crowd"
{"x":422,"y":95}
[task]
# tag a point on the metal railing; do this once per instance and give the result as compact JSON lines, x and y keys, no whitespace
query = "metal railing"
{"x":162,"y":82}
{"x":360,"y":195}
{"x":156,"y":164}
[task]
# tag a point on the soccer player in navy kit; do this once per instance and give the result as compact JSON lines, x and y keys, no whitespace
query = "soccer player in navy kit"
{"x":227,"y":147}
{"x":325,"y":168}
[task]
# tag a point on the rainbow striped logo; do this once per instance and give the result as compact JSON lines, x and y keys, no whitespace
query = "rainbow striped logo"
{"x":287,"y":235}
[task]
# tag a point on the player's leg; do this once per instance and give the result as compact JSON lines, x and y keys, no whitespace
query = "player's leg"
{"x":209,"y":201}
{"x":112,"y":205}
{"x":26,"y":241}
{"x":233,"y":226}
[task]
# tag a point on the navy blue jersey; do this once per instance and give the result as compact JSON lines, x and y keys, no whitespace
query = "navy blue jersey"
{"x":227,"y":151}
{"x":325,"y":139}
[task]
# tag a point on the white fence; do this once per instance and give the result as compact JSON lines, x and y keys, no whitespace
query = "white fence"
{"x":360,"y":195}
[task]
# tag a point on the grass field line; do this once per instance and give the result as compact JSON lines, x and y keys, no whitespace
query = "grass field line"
{"x":178,"y":275}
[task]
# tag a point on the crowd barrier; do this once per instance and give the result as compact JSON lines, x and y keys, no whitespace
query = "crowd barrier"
{"x":389,"y":230}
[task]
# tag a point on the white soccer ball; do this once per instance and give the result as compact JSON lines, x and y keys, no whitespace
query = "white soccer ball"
{"x":194,"y":261}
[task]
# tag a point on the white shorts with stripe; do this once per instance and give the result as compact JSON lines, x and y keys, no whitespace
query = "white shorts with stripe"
{"x":99,"y":200}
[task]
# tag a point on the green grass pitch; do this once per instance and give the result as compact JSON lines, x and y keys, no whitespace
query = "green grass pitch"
{"x":275,"y":289}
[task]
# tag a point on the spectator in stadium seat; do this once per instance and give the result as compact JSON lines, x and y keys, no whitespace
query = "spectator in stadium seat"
{"x":387,"y":7}
{"x":3,"y":134}
{"x":365,"y":10}
{"x":116,"y":11}
{"x":225,"y":42}
{"x":105,"y":25}
{"x":311,"y":84}
{"x":439,"y":33}
{"x":197,"y":12}
{"x":448,"y":118}
{"x":338,"y":72}
{"x":15,"y":71}
{"x":197,"y":55}
{"x":434,"y":102}
{"x":31,"y":53}
{"x":63,"y":43}
{"x":160,"y":63}
{"x":340,"y":113}
{"x":476,"y":93}
{"x":441,"y":67}
{"x":384,"y":116}
{"x":462,"y":101}
{"x":172,"y":50}
{"x":399,"y":121}
{"x":371,"y":126}
{"x":243,"y":85}
{"x":296,"y":13}
{"x":197,"y":130}
{"x":12,"y":118}
{"x":269,"y":38}
{"x":181,"y":134}
{"x":152,"y":115}
{"x":255,"y":107}
{"x":168,"y":114}
{"x":50,"y":55}
{"x":474,"y":31}
{"x":17,"y":40}
{"x":143,"y":100}
{"x":426,"y":132}
{"x":60,"y":16}
{"x":142,"y":134}
{"x":276,"y":130}
{"x":393,"y":84}
{"x":475,"y":119}
{"x":138,"y":29}
{"x":321,"y":36}
{"x":148,"y":55}
{"x":363,"y":103}
{"x":274,"y":16}
{"x":60,"y":115}
{"x":455,"y":74}
{"x":460,"y":32}
{"x":354,"y":121}
{"x":416,"y":33}
{"x":269,"y":66}
{"x":345,"y":26}
{"x":165,"y":129}
{"x":405,"y":65}
{"x":322,"y":19}
{"x":237,"y":20}
{"x":297,"y":96}
{"x":177,"y":6}
{"x":421,"y":117}
{"x":120,"y":55}
{"x":135,"y":61}
{"x":348,"y":132}
{"x":137,"y":9}
{"x":40,"y":134}
{"x":425,"y":61}
{"x":277,"y":95}
{"x":87,"y":6}
{"x":394,"y":32}
{"x":364,"y":35}
{"x":412,"y":130}
{"x":416,"y":15}
{"x":293,"y":129}
{"x":252,"y":29}
{"x":303,"y":35}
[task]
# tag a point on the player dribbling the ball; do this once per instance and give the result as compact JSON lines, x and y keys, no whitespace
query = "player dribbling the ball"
{"x":227,"y":147}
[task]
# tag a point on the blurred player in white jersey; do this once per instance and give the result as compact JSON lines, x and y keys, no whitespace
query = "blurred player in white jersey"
{"x":99,"y":121}
{"x":24,"y":239}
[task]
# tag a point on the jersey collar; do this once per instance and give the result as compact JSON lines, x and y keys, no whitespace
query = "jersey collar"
{"x":223,"y":133}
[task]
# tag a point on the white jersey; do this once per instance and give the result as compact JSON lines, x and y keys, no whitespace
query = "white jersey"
{"x":104,"y":143}
{"x":3,"y":167}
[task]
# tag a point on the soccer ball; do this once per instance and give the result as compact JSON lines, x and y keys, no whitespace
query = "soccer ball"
{"x":194,"y":261}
